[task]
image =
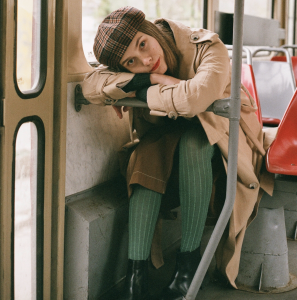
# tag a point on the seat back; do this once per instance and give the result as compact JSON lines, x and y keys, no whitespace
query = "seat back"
{"x":294,"y":63}
{"x":281,"y":157}
{"x":248,"y":80}
{"x":275,"y":87}
{"x":275,"y":84}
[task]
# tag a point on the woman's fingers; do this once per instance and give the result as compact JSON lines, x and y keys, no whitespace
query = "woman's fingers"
{"x":132,"y":95}
{"x":126,"y":108}
{"x":118,"y":110}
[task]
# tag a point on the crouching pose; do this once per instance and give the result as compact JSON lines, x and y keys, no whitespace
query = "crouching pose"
{"x":179,"y":72}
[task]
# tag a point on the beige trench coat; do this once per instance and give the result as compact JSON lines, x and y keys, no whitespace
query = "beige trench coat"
{"x":205,"y":72}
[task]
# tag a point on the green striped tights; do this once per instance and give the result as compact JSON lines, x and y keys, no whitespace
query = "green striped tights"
{"x":195,"y":186}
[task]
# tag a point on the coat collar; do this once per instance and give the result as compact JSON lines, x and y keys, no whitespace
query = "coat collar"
{"x":187,"y":40}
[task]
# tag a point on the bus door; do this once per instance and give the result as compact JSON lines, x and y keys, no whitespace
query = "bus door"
{"x":32,"y":148}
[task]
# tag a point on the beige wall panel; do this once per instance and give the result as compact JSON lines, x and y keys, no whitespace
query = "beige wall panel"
{"x":94,"y":136}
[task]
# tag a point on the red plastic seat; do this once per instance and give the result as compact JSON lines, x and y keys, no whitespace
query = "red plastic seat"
{"x":294,"y":63}
{"x":248,"y":80}
{"x":275,"y":85}
{"x":281,"y":157}
{"x":271,"y":122}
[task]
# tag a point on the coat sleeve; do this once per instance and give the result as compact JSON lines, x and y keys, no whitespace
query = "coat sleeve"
{"x":103,"y":86}
{"x":191,"y":97}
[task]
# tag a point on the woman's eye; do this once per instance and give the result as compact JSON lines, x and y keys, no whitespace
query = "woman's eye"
{"x":142,"y":44}
{"x":131,"y":61}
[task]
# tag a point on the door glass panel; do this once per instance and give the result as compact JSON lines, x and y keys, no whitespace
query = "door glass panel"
{"x":25,"y":205}
{"x":28,"y":44}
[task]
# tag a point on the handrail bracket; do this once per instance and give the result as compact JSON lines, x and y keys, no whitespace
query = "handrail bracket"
{"x":79,"y":98}
{"x":221,"y":107}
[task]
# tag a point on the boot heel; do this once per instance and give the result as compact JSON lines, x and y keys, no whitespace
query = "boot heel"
{"x":136,"y":281}
{"x":186,"y":266}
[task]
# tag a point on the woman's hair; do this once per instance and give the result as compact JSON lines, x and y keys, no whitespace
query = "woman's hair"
{"x":164,"y":36}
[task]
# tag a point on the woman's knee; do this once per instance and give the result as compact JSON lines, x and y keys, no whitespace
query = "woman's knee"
{"x":195,"y":139}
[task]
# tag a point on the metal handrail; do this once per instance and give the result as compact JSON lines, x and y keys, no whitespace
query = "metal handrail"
{"x":232,"y":154}
{"x":293,"y":46}
{"x":288,"y":58}
{"x":272,"y":49}
{"x":289,"y":46}
{"x":219,"y":107}
{"x":247,"y":52}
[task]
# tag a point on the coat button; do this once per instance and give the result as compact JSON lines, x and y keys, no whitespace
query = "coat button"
{"x":194,"y":37}
{"x":253,"y":185}
{"x":172,"y":115}
{"x":108,"y":101}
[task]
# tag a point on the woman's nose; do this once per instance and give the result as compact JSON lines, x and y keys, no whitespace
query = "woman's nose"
{"x":147,"y":60}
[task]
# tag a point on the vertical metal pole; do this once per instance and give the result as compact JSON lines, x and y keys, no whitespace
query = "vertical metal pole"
{"x":205,"y":13}
{"x":272,"y":8}
{"x":232,"y":153}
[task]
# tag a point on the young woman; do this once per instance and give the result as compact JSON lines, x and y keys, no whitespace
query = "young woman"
{"x":179,"y":72}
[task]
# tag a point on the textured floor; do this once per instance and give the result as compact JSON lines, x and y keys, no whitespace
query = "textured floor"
{"x":215,"y":289}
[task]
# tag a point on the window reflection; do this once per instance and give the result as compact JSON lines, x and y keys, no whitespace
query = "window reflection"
{"x":25,"y":229}
{"x":28,"y":44}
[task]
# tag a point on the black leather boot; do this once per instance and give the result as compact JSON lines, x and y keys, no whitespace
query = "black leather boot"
{"x":185,"y":268}
{"x":136,"y":282}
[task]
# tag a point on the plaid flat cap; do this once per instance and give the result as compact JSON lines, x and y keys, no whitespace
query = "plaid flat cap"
{"x":115,"y":34}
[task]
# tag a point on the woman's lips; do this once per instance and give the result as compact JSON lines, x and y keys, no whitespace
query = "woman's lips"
{"x":156,"y":65}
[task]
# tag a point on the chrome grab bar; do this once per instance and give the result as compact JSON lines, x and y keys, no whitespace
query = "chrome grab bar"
{"x":272,"y":49}
{"x":219,"y":107}
{"x":247,"y":52}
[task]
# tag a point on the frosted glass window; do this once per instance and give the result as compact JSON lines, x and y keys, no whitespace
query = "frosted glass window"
{"x":29,"y":55}
{"x":25,"y":213}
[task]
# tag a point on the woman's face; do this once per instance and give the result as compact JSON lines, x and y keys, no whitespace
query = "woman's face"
{"x":144,"y":55}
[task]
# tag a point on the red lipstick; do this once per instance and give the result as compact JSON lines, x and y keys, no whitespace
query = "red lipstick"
{"x":156,"y":65}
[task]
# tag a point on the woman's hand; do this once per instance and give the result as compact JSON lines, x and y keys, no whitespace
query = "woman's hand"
{"x":155,"y":79}
{"x":163,"y":79}
{"x":118,"y":110}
